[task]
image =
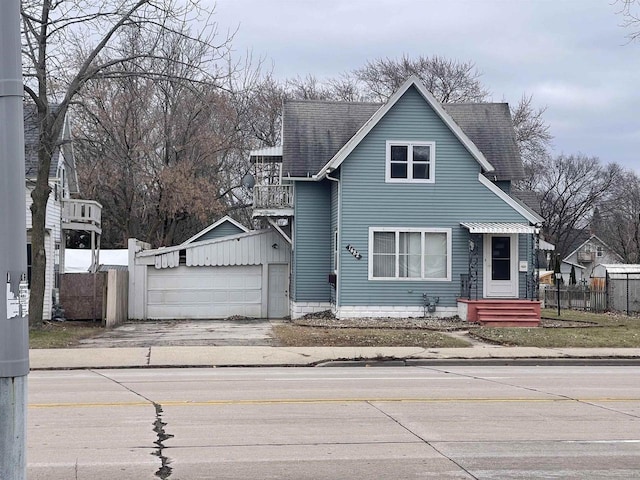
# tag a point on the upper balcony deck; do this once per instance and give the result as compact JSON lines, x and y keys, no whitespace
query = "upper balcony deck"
{"x":273,"y":201}
{"x":85,"y":215}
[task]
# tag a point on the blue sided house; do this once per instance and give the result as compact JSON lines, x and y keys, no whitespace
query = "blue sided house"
{"x":402,"y":209}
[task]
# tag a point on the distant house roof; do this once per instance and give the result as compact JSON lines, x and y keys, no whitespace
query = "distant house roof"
{"x":227,"y":226}
{"x":583,"y":239}
{"x":315,"y":131}
{"x":32,"y":141}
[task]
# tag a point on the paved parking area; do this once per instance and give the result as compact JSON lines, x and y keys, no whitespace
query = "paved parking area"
{"x":186,"y":333}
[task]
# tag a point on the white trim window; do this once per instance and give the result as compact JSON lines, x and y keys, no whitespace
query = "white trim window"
{"x":409,"y":253}
{"x":599,"y":251}
{"x":410,"y":162}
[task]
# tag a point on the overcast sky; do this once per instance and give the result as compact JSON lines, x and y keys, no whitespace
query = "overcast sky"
{"x":573,"y":56}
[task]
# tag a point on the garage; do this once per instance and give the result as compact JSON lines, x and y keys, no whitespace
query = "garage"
{"x":204,"y":292}
{"x":240,"y":275}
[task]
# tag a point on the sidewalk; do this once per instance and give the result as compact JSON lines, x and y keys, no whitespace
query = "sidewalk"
{"x":258,"y":356}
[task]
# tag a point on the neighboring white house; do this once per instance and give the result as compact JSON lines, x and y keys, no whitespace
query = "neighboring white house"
{"x":62,"y":213}
{"x":585,"y":256}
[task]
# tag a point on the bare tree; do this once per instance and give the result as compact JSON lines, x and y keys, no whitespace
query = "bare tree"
{"x":448,"y":80}
{"x":66,"y":45}
{"x":532,"y":132}
{"x":630,"y":12}
{"x":533,"y":138}
{"x":264,"y":109}
{"x":618,"y":219}
{"x":347,"y":88}
{"x":570,"y":188}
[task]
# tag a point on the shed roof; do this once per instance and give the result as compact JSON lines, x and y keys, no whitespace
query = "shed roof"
{"x":622,"y":268}
{"x":255,"y":247}
{"x":213,"y":226}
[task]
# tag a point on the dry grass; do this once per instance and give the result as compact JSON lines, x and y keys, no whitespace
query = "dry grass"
{"x":599,"y":331}
{"x":303,"y":336}
{"x":63,"y":334}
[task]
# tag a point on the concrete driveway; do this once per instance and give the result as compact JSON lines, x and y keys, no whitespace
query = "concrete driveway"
{"x":186,"y":333}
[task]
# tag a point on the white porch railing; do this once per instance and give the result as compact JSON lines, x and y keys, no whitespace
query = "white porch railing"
{"x":76,"y":213}
{"x":273,"y":196}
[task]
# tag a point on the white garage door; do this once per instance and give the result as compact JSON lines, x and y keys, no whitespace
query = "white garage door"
{"x":204,"y":292}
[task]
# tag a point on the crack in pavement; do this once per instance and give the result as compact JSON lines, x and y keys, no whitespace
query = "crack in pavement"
{"x":423,"y":440}
{"x":164,"y":472}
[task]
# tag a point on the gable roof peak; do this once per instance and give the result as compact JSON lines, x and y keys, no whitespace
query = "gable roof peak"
{"x":415,"y":82}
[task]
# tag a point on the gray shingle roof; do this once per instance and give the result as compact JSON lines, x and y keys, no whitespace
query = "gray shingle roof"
{"x":530,"y":198}
{"x":31,"y":142}
{"x":490,"y":128}
{"x":314,"y":131}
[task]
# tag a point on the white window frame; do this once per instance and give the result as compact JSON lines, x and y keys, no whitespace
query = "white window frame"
{"x":410,"y":145}
{"x":599,"y":251}
{"x":397,"y":231}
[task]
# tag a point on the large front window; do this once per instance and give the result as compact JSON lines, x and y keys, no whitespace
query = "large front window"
{"x":410,"y":162}
{"x":409,"y":253}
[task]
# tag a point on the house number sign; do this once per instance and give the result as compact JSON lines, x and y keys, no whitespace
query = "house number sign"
{"x":354,"y":252}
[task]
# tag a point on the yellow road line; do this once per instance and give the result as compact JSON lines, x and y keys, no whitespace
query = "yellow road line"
{"x":280,"y":401}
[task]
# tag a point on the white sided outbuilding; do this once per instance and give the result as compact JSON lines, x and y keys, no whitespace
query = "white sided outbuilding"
{"x":245,"y":274}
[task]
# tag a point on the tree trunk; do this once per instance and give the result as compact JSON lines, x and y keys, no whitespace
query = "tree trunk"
{"x":40,"y":195}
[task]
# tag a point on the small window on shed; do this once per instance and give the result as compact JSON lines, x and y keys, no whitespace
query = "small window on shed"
{"x":182,"y":257}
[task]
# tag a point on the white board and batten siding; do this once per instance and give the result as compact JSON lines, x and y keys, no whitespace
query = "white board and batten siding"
{"x":52,"y":238}
{"x":245,"y":274}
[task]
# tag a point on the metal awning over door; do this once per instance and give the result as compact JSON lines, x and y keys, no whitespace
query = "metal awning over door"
{"x":498,"y":227}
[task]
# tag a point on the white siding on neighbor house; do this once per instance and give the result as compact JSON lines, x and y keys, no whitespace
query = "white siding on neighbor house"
{"x":53,"y":237}
{"x":608,"y":257}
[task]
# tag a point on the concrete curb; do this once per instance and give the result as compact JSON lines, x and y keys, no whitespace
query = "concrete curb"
{"x":264,"y":356}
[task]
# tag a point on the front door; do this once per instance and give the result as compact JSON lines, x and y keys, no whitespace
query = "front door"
{"x":500,"y":266}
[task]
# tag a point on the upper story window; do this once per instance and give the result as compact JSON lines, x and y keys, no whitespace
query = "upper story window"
{"x":60,"y":188}
{"x":412,"y":162}
{"x":409,"y":253}
{"x":599,"y":251}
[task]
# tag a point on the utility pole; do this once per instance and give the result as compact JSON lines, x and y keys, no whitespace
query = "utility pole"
{"x":14,"y":325}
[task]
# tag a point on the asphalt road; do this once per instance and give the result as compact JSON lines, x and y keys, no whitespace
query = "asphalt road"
{"x":336,"y":423}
